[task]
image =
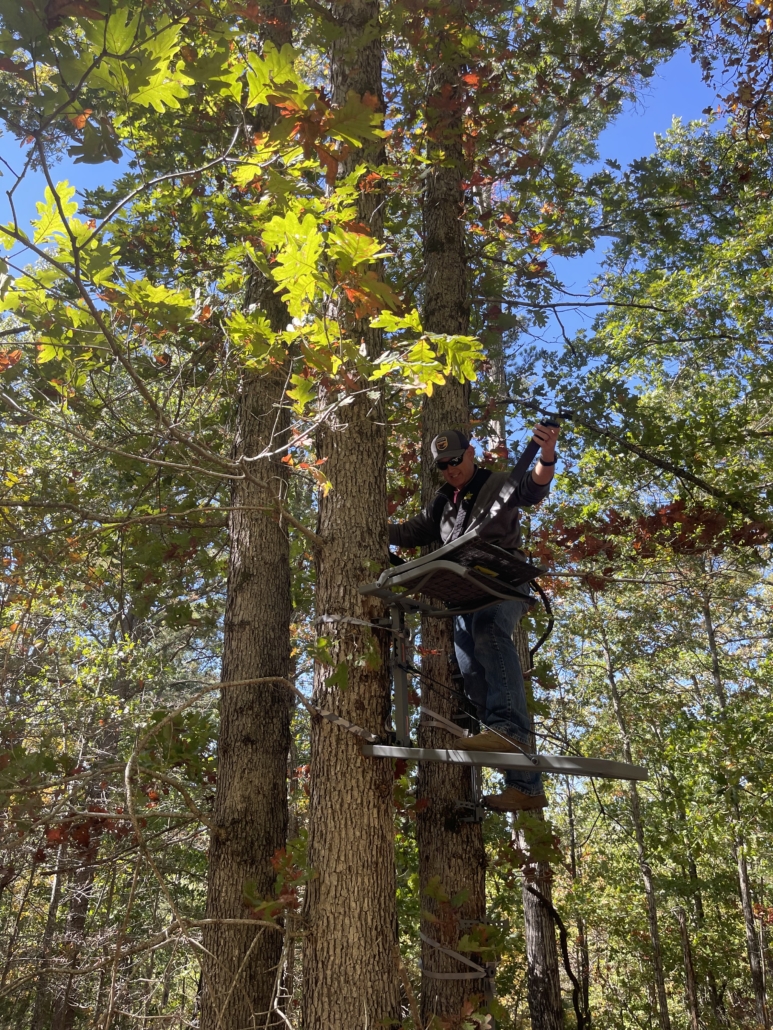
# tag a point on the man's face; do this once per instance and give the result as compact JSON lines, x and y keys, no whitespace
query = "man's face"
{"x":459,"y":475}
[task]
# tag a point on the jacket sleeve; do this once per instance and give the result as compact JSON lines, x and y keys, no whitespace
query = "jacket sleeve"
{"x":528,"y":493}
{"x":416,"y":532}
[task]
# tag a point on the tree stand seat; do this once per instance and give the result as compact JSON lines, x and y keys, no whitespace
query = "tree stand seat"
{"x":466,"y":575}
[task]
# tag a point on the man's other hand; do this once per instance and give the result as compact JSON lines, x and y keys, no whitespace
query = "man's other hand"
{"x":546,"y":437}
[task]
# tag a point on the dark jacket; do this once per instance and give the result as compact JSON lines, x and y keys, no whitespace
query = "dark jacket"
{"x":495,"y":510}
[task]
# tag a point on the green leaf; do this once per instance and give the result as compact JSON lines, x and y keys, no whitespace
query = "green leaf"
{"x":339,"y":677}
{"x":355,"y":122}
{"x":303,"y":391}
{"x":274,"y":69}
{"x":393,"y":323}
{"x":50,"y":223}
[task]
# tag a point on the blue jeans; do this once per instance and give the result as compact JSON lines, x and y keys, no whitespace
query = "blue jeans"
{"x":493,"y":679}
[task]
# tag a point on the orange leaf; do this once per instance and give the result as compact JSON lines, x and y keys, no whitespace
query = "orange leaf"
{"x":368,"y":184}
{"x":8,"y":358}
{"x":79,"y":120}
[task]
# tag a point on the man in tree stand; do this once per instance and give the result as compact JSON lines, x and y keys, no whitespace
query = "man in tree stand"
{"x":483,"y":641}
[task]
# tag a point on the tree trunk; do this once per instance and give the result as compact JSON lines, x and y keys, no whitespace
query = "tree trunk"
{"x":582,"y":955}
{"x":644,"y":865}
{"x":80,"y":889}
{"x":349,"y":962}
{"x":46,"y":985}
{"x":690,"y":989}
{"x":250,"y":809}
{"x":753,"y":950}
{"x":543,"y":975}
{"x":450,"y":843}
{"x":715,"y":1000}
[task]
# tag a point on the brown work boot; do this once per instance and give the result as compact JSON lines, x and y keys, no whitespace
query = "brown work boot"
{"x":513,"y":800}
{"x":487,"y":741}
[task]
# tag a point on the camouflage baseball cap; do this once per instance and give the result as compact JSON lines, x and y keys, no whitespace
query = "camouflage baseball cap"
{"x":449,"y":443}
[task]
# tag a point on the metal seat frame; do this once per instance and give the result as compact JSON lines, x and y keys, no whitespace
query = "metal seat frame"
{"x":399,"y":587}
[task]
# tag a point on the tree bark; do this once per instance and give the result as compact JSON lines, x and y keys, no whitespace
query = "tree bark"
{"x":80,"y":890}
{"x":250,"y":809}
{"x":543,"y":975}
{"x":690,"y":988}
{"x":451,"y":849}
{"x":714,"y":997}
{"x":644,"y":865}
{"x":349,"y":967}
{"x":46,"y":986}
{"x":582,"y":955}
{"x":753,"y":950}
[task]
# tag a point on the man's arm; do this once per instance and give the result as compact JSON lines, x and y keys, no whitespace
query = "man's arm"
{"x":535,"y":485}
{"x":546,"y":436}
{"x":416,"y":532}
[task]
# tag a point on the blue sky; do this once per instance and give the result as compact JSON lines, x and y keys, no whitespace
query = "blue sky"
{"x":675,"y":91}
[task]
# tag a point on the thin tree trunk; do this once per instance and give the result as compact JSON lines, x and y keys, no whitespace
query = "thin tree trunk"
{"x":250,"y":808}
{"x":581,"y":952}
{"x":638,"y":826}
{"x":13,"y":937}
{"x":44,"y":995}
{"x":753,"y":950}
{"x":349,"y":967}
{"x":451,"y":848}
{"x":80,"y":891}
{"x":715,"y":1000}
{"x":690,"y":988}
{"x":543,"y":975}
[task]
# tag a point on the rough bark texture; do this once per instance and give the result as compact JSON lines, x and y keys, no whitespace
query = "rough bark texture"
{"x":690,"y":987}
{"x":582,"y":954}
{"x":753,"y":949}
{"x":542,"y":969}
{"x":660,"y":998}
{"x":44,"y":996}
{"x":349,"y":961}
{"x":80,"y":890}
{"x":250,"y":811}
{"x":451,"y":849}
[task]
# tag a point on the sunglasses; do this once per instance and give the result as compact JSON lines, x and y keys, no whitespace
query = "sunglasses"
{"x":451,"y":463}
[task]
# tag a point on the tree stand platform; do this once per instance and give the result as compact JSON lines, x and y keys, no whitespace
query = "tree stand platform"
{"x":464,"y":576}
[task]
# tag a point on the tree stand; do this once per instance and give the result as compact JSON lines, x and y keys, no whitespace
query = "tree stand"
{"x":466,"y":575}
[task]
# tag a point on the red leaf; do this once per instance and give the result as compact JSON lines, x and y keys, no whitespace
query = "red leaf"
{"x":328,"y":162}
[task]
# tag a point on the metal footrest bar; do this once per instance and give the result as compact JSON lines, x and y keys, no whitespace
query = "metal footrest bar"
{"x":560,"y":765}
